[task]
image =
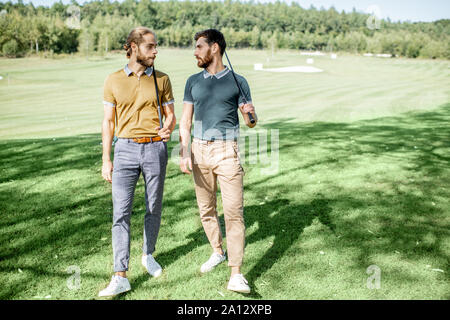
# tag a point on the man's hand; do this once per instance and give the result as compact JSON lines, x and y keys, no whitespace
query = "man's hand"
{"x":185,"y":137}
{"x":246,"y":108}
{"x":107,"y":169}
{"x":164,"y":133}
{"x":186,"y":164}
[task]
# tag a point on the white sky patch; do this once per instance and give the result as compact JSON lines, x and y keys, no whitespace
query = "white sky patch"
{"x":403,"y":10}
{"x":374,"y":10}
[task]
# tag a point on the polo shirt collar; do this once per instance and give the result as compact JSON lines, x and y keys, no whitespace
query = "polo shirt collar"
{"x":147,"y":71}
{"x":218,"y":75}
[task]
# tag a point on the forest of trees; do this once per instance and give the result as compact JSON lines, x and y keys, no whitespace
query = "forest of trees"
{"x":104,"y":26}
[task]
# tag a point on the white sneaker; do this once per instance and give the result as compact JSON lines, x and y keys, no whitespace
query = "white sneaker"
{"x":212,"y":262}
{"x":238,"y":283}
{"x":153,"y":267}
{"x":117,"y":285}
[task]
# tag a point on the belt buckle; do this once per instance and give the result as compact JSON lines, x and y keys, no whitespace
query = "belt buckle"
{"x":146,"y":139}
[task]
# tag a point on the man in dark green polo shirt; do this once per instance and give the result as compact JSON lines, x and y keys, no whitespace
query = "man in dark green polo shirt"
{"x":212,"y":96}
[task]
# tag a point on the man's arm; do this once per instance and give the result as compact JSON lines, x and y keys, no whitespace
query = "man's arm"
{"x":185,"y":137}
{"x":244,"y":110}
{"x":169,"y":122}
{"x":107,"y":138}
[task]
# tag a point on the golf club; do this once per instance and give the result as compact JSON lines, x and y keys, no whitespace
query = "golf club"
{"x":157,"y":98}
{"x":252,"y":120}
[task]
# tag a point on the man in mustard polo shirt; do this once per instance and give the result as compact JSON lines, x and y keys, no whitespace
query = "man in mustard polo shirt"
{"x":130,"y":97}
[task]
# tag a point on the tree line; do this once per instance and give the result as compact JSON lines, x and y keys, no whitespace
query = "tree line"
{"x":102,"y":25}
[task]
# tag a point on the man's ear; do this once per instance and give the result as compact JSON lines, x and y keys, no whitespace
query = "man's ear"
{"x":133,"y":46}
{"x":215,"y":48}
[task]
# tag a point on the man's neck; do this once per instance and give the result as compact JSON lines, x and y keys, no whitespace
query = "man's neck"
{"x":137,"y":68}
{"x":215,"y":67}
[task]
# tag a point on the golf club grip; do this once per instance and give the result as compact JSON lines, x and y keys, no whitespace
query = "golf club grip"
{"x":252,"y":120}
{"x":250,"y":116}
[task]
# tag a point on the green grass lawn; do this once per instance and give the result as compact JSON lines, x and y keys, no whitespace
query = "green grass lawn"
{"x":364,"y":179}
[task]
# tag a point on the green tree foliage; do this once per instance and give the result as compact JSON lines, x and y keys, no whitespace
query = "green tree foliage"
{"x":11,"y":48}
{"x":29,"y":29}
{"x":106,"y":24}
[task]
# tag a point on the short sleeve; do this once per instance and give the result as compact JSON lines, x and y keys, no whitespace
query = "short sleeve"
{"x":245,"y":91}
{"x":108,"y":96}
{"x":188,"y":92}
{"x":167,"y":93}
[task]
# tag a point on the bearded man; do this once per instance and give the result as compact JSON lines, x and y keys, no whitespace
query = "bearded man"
{"x":213,"y":97}
{"x":130,"y":97}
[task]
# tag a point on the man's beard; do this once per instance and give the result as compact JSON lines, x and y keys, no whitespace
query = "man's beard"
{"x":141,"y":61}
{"x":205,"y":62}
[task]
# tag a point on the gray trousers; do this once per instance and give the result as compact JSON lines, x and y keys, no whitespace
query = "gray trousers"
{"x":130,"y":159}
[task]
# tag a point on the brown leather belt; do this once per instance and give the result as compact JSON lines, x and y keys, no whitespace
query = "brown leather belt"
{"x":147,"y":139}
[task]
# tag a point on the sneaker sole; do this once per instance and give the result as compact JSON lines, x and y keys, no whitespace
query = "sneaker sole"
{"x":115,"y":294}
{"x":238,"y":290}
{"x":157,"y":274}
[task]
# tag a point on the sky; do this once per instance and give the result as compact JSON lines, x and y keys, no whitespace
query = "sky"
{"x":398,"y":10}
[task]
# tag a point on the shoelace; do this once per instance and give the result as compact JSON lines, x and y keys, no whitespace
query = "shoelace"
{"x":241,"y":277}
{"x":215,"y":259}
{"x":114,"y":281}
{"x":150,"y":258}
{"x":151,"y":263}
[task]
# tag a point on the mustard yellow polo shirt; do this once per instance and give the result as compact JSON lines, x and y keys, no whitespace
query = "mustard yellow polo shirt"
{"x":135,"y":101}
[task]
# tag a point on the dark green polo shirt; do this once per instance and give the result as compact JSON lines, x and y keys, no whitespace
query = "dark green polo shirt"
{"x":216,"y":100}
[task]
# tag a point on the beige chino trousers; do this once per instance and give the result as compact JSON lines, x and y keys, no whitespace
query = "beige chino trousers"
{"x":219,"y":160}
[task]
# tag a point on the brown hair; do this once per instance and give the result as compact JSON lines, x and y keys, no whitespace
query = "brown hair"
{"x":212,"y":36}
{"x":136,"y":36}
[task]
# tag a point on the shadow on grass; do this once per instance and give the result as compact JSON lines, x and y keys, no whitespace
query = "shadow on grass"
{"x":285,"y":221}
{"x":397,"y":180}
{"x":48,"y":209}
